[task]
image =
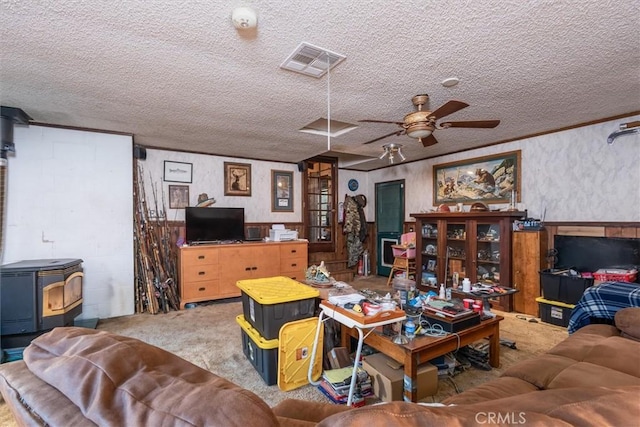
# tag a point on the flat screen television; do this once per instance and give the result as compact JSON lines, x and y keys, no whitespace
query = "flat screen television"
{"x":585,"y":253}
{"x":210,"y":225}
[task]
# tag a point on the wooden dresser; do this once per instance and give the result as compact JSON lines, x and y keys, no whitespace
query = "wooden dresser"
{"x":210,"y":272}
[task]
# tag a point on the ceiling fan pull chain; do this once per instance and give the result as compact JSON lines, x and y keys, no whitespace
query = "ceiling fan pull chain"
{"x":328,"y":102}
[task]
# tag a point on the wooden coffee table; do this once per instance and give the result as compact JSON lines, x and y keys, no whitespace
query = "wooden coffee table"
{"x":423,"y":348}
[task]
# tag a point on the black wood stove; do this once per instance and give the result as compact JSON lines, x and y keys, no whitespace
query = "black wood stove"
{"x":37,"y":296}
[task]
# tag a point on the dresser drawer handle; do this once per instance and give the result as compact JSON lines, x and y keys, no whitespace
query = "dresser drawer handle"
{"x":202,"y":289}
{"x":294,"y":265}
{"x":201,"y":273}
{"x":254,"y":268}
{"x":200,"y":256}
{"x":293,"y":251}
{"x":247,"y":269}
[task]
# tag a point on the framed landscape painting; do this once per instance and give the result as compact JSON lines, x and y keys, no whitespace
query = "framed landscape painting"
{"x":488,"y":179}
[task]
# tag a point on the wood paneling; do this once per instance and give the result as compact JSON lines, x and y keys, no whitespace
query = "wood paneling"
{"x":529,"y":250}
{"x":592,"y":231}
{"x":600,"y":229}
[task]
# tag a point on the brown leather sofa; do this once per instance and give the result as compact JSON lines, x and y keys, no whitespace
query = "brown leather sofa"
{"x":82,"y":377}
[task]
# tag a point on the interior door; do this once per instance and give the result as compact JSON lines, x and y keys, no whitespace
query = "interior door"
{"x":389,"y":220}
{"x":319,"y":203}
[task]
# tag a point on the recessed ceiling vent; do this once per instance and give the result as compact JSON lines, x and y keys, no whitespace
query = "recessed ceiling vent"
{"x":321,"y":127}
{"x":312,"y":60}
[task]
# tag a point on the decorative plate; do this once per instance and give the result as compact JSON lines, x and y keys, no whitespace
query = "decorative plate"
{"x":430,"y":250}
{"x":353,"y":184}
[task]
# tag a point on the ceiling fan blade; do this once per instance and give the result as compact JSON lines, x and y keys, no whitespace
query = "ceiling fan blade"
{"x":397,"y":133}
{"x":428,"y":141}
{"x":487,"y":124}
{"x":380,"y":121}
{"x":449,"y":108}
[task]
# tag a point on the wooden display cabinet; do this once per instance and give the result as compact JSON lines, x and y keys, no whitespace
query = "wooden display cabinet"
{"x":476,"y":245}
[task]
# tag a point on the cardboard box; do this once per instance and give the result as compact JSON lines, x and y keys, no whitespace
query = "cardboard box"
{"x":387,"y":378}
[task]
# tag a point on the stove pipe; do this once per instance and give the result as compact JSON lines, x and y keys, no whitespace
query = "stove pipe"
{"x":8,"y":117}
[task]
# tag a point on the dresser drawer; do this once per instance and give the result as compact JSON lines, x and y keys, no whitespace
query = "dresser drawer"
{"x":293,"y":250}
{"x":200,"y":273}
{"x":292,"y":264}
{"x":200,"y":291}
{"x":195,"y":257}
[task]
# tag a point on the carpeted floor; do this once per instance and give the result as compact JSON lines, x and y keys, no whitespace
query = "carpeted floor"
{"x":209,"y":337}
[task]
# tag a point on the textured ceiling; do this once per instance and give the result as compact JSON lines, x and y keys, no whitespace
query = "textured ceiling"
{"x":178,"y":75}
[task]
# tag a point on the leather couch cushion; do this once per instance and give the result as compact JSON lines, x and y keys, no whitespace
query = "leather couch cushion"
{"x":116,"y":380}
{"x":495,"y":389}
{"x":575,"y":406}
{"x":628,"y":321}
{"x":34,"y":402}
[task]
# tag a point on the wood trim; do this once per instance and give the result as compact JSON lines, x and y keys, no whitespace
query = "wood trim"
{"x":580,"y":230}
{"x":594,"y":223}
{"x":518,"y":138}
{"x":597,"y":229}
{"x":111,"y":132}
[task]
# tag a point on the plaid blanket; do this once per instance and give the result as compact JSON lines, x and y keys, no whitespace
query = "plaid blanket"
{"x":603,"y":301}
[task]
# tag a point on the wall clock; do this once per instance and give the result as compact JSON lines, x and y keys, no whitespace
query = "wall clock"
{"x":353,"y":184}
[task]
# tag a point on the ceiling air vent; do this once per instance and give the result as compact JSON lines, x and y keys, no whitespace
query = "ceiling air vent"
{"x":321,"y":127}
{"x":312,"y":60}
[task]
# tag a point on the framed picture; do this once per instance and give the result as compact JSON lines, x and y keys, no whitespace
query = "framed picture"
{"x":178,"y":196}
{"x":281,"y":191}
{"x":237,"y":179}
{"x":488,"y":179}
{"x":178,"y":172}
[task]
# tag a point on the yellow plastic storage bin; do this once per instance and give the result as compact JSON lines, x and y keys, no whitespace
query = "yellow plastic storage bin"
{"x":554,"y":312}
{"x":262,"y":353}
{"x":271,"y":302}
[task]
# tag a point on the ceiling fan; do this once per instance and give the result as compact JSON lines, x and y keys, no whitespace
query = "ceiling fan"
{"x":421,"y":123}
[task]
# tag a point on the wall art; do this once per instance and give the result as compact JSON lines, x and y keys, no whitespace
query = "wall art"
{"x":178,"y":172}
{"x":488,"y":179}
{"x":237,"y":179}
{"x":281,"y":191}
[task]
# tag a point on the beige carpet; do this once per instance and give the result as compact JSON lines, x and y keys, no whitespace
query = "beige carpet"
{"x":209,"y":337}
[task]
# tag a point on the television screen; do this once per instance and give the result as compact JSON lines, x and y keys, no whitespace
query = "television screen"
{"x":592,"y":253}
{"x":208,"y":224}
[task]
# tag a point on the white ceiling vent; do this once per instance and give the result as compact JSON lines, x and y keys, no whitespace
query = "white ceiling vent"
{"x":311,"y":60}
{"x":320,"y":127}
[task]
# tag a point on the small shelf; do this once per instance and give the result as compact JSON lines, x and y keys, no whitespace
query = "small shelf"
{"x":488,"y":261}
{"x":489,"y":240}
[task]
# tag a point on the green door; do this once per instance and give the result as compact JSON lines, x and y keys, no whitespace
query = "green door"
{"x":389,"y":220}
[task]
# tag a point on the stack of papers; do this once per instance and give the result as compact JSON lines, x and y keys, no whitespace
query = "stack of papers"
{"x":341,"y":300}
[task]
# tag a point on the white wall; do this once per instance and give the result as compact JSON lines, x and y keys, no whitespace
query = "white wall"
{"x":363,"y":188}
{"x":575,"y":175}
{"x":208,"y":177}
{"x":69,"y":195}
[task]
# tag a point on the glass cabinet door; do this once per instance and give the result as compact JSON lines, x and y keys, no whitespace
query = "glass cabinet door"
{"x":430,"y":253}
{"x":319,"y":204}
{"x":456,"y":251}
{"x":488,"y":253}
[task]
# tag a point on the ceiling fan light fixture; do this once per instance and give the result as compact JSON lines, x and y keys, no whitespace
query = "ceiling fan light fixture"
{"x":418,"y":133}
{"x":392,"y":150}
